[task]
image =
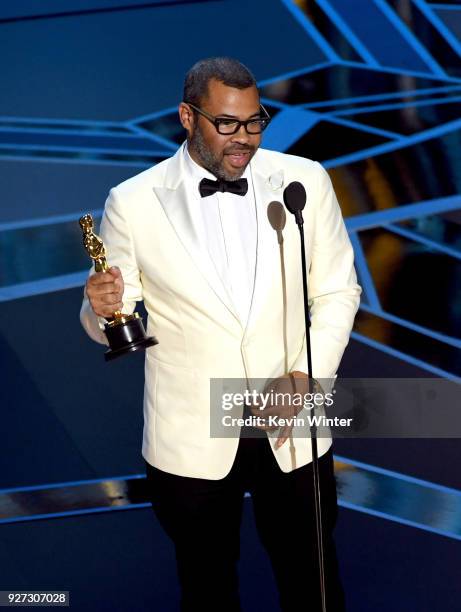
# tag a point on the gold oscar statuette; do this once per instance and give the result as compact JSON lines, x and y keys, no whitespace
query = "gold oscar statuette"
{"x":125,"y":333}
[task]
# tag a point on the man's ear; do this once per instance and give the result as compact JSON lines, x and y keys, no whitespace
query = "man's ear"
{"x":186,"y":116}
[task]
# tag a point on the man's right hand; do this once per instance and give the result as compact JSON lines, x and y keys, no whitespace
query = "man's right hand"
{"x":105,"y":292}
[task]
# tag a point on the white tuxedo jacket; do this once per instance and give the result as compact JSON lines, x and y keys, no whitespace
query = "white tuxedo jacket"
{"x":151,"y":236}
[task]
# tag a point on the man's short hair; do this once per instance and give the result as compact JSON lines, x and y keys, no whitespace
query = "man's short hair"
{"x":224,"y":69}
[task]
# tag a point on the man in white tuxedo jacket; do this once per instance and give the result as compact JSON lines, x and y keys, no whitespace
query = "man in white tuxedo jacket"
{"x":192,"y":239}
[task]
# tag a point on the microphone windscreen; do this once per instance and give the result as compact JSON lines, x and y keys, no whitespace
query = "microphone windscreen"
{"x":294,"y":196}
{"x":277,"y":216}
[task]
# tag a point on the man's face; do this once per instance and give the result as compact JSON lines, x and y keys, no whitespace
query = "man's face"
{"x":225,"y":156}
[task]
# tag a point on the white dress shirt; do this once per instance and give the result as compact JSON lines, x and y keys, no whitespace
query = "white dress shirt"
{"x":230,"y":232}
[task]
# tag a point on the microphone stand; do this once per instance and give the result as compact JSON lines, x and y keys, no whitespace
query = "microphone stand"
{"x":315,"y":458}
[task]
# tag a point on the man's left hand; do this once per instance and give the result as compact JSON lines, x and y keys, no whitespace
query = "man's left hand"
{"x":294,"y":386}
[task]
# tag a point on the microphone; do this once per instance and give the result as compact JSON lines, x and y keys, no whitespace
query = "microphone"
{"x":294,"y":196}
{"x":277,"y":218}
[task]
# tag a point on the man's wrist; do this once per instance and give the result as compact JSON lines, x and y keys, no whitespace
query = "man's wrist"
{"x":298,"y":374}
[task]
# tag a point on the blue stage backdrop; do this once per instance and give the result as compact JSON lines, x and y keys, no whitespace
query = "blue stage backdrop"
{"x":89,"y":95}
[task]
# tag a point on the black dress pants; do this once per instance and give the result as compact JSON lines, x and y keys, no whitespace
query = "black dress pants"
{"x":203,"y":517}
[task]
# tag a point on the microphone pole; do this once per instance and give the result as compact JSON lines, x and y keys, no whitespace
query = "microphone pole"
{"x":294,"y":197}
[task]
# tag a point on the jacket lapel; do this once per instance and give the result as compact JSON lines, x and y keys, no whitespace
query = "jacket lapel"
{"x":188,"y":227}
{"x":268,"y":185}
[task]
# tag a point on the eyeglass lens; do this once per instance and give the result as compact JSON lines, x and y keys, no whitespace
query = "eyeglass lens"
{"x":227,"y":126}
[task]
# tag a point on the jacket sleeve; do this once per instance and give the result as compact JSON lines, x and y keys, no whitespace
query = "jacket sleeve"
{"x":118,"y":241}
{"x":333,"y":292}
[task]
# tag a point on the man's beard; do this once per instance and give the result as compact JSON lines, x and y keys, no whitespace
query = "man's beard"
{"x":211,"y":162}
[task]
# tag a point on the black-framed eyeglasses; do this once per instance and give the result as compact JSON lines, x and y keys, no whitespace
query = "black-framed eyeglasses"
{"x":228,"y":125}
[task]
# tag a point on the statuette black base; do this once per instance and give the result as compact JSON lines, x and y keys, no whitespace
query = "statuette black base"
{"x":126,"y":335}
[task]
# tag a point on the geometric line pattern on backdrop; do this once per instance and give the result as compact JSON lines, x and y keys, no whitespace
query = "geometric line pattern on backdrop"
{"x":362,"y":487}
{"x":368,"y":98}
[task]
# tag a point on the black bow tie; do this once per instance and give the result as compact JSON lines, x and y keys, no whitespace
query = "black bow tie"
{"x":208,"y":187}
